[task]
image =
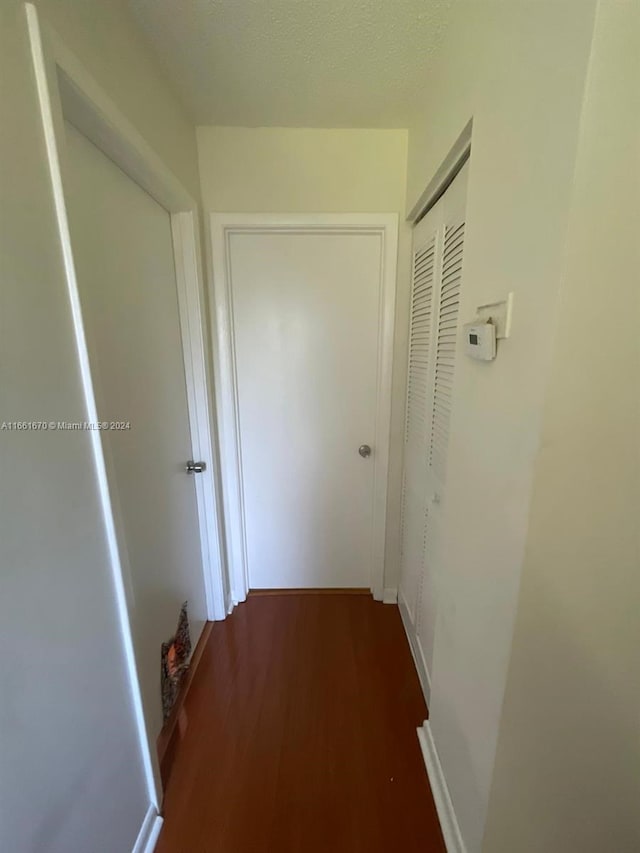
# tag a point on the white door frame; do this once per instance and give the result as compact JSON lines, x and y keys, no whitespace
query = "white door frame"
{"x":66,"y":91}
{"x":223,"y":226}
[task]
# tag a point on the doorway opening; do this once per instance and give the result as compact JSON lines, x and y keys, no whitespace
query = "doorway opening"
{"x":303,"y":309}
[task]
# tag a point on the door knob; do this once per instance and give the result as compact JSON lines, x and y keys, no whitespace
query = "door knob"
{"x":365,"y":451}
{"x":195,"y":467}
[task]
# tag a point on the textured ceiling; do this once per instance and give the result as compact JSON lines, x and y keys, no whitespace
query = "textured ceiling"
{"x":296,"y":63}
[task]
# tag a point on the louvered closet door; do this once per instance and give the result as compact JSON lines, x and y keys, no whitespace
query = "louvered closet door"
{"x":433,"y":352}
{"x":418,"y":413}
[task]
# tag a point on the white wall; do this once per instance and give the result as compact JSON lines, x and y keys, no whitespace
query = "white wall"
{"x":105,"y":39}
{"x":70,"y":767}
{"x":300,"y":170}
{"x":567,"y":774}
{"x":518,"y":69}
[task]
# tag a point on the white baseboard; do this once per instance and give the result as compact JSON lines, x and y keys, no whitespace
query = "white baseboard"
{"x":149,"y":832}
{"x":390,"y":595}
{"x":444,"y":806}
{"x":423,"y":672}
{"x":416,"y":648}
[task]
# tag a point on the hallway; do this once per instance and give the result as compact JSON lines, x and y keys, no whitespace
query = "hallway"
{"x":301,"y":735}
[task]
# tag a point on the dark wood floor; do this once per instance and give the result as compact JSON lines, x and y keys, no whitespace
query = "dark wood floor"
{"x":301,"y":735}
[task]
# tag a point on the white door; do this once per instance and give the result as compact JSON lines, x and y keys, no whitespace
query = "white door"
{"x":123,"y":252}
{"x":306,"y":313}
{"x":438,"y":246}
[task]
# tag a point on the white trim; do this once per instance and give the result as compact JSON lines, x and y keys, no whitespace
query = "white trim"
{"x":185,"y":231}
{"x":390,"y":595}
{"x":79,"y":99}
{"x":92,"y":112}
{"x":75,"y":96}
{"x":227,"y":408}
{"x":149,"y":832}
{"x":444,"y":806}
{"x":50,"y":109}
{"x":416,"y":648}
{"x":66,"y":90}
{"x":223,"y":225}
{"x":448,"y":169}
{"x":387,"y":309}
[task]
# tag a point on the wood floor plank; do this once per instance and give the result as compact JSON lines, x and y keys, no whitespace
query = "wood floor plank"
{"x":301,"y":735}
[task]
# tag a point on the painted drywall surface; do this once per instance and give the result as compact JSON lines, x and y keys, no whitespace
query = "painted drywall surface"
{"x":105,"y":38}
{"x":297,"y":170}
{"x":567,"y":774}
{"x":518,"y":69}
{"x":284,"y":64}
{"x":302,"y":170}
{"x":70,"y":767}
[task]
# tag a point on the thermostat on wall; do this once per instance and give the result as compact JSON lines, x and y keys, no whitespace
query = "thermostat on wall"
{"x":480,"y":341}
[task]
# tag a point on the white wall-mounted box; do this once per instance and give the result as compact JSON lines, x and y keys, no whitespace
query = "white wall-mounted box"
{"x":480,"y":341}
